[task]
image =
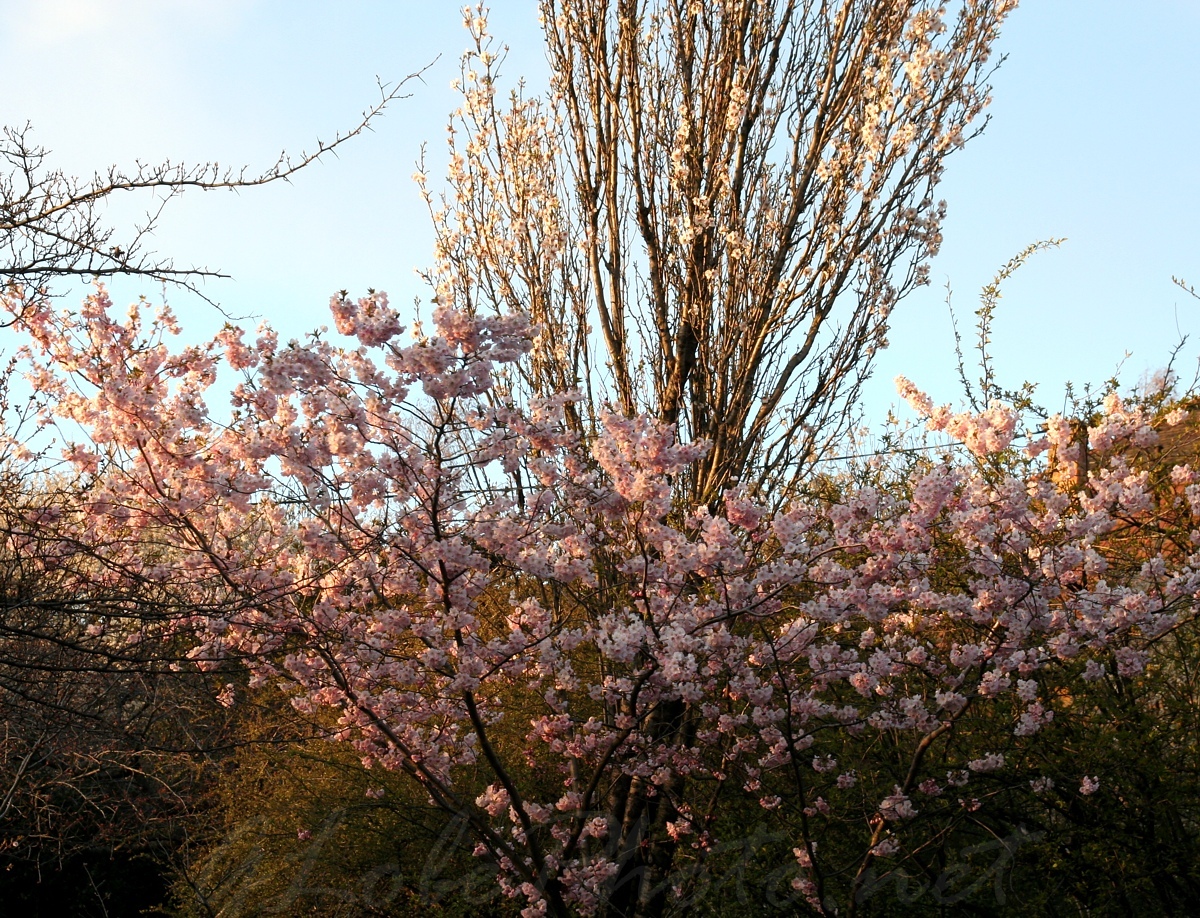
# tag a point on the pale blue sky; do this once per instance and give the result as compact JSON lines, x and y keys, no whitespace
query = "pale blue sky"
{"x":1094,"y":137}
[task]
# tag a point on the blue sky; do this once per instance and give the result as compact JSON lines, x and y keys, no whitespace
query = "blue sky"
{"x":1095,"y":127}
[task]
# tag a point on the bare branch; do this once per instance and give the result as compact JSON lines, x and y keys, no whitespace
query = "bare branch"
{"x":52,"y":225}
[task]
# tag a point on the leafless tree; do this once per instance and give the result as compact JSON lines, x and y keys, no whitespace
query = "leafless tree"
{"x":102,"y":729}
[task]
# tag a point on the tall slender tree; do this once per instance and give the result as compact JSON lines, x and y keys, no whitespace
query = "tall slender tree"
{"x":716,"y":208}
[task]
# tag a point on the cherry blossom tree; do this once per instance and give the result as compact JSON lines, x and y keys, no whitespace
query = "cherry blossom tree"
{"x":78,"y":761}
{"x":469,"y":587}
{"x":712,"y":215}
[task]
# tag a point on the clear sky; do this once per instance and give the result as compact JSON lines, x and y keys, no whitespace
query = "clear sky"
{"x":1094,"y":137}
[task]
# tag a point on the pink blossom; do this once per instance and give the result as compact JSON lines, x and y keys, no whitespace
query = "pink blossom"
{"x":896,"y":807}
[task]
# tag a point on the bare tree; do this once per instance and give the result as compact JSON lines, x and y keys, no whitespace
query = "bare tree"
{"x":99,"y":730}
{"x":733,"y":195}
{"x":52,"y":224}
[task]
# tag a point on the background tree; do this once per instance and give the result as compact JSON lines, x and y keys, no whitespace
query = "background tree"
{"x":306,"y":830}
{"x":107,"y":744}
{"x":715,"y":210}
